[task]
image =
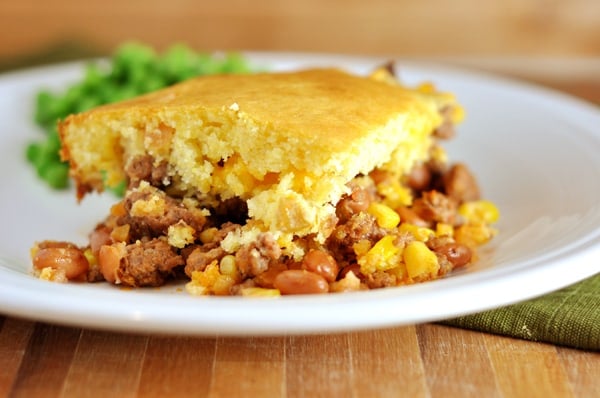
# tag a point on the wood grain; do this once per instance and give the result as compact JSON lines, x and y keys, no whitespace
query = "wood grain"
{"x":47,"y":361}
{"x":105,"y":364}
{"x":249,"y":364}
{"x":177,"y":366}
{"x":582,"y":369}
{"x":386,"y":362}
{"x":40,"y":360}
{"x":318,"y":366}
{"x":445,"y":353}
{"x":537,"y":367}
{"x":14,"y":338}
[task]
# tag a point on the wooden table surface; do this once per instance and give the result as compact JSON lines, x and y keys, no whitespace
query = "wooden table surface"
{"x":429,"y":360}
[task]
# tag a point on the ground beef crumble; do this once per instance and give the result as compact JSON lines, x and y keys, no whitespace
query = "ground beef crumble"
{"x":148,"y":263}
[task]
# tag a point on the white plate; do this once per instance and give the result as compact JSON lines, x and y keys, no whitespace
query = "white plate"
{"x":535,"y":152}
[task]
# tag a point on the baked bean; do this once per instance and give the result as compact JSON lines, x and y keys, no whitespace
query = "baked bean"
{"x":409,"y":216}
{"x":381,"y":176}
{"x":358,"y":201}
{"x":109,"y":260}
{"x":419,"y":177}
{"x":61,"y":256}
{"x":459,"y":255}
{"x":267,"y":278}
{"x":321,"y":263}
{"x":300,"y":282}
{"x":99,"y":237}
{"x":460,"y":184}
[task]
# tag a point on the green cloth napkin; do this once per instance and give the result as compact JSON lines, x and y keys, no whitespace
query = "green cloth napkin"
{"x":568,"y":317}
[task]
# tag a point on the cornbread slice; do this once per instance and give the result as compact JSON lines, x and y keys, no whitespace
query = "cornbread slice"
{"x":285,"y":143}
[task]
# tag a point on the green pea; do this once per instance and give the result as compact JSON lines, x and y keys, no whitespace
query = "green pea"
{"x":56,"y":175}
{"x":32,"y":152}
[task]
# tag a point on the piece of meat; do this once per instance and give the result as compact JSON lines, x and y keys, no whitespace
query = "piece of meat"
{"x":142,"y":168}
{"x":379,"y":279}
{"x":200,"y":257}
{"x":148,"y":263}
{"x":361,"y":226}
{"x":434,"y":206}
{"x":156,"y":222}
{"x":460,"y":184}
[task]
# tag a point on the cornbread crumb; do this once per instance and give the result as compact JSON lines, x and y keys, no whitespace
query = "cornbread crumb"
{"x":53,"y":275}
{"x":180,"y":234}
{"x":153,"y":206}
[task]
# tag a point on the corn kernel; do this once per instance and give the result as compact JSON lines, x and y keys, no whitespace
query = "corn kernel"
{"x":421,"y":262}
{"x":458,"y":114}
{"x":474,"y":235}
{"x":420,"y":233}
{"x":208,"y":235}
{"x":260,"y":292}
{"x":222,"y":285}
{"x":443,"y":229}
{"x":228,"y":267}
{"x":92,"y":260}
{"x":383,"y":255}
{"x":386,"y":217}
{"x":361,"y":247}
{"x":426,"y":88}
{"x":479,"y":211}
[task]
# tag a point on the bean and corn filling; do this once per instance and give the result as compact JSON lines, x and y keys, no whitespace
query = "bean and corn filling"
{"x":387,"y":232}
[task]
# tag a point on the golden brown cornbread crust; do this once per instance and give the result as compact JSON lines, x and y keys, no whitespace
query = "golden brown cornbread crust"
{"x":287,"y":143}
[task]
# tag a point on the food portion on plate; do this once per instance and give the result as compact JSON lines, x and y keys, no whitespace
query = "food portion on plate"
{"x":309,"y":181}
